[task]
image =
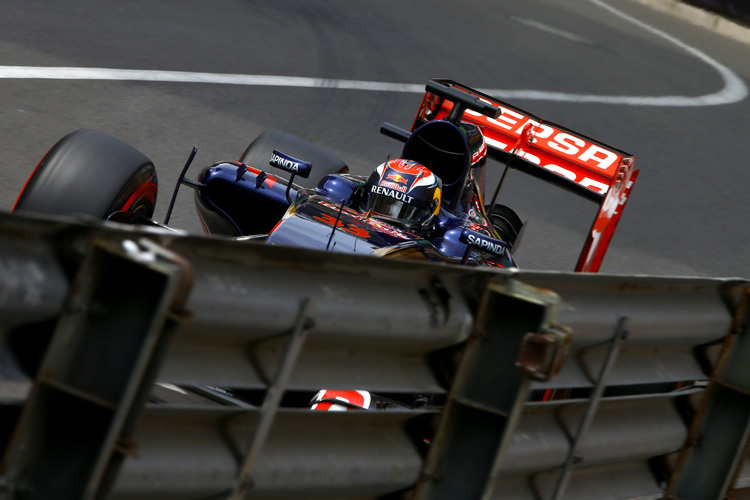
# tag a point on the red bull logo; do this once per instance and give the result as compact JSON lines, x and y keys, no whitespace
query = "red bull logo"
{"x":397,"y":178}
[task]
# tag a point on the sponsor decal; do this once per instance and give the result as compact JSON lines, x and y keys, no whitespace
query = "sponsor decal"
{"x":584,"y":180}
{"x":290,"y":164}
{"x":571,"y":156}
{"x":392,"y":193}
{"x":392,"y":185}
{"x":546,"y":137}
{"x":285,"y":163}
{"x":495,"y":248}
{"x":396,"y":178}
{"x":491,"y":245}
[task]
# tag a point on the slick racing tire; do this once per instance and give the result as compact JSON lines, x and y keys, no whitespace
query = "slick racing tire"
{"x":91,"y":173}
{"x":259,"y":152}
{"x":506,"y":222}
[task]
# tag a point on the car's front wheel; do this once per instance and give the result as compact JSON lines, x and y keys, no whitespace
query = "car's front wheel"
{"x":91,"y":173}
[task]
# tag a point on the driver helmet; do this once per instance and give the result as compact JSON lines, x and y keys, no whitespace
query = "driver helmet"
{"x":404,"y":193}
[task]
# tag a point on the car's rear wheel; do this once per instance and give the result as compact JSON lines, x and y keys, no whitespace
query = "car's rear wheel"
{"x":91,"y":173}
{"x":506,"y":222}
{"x":259,"y":152}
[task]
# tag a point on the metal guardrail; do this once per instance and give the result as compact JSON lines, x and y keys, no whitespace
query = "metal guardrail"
{"x":97,"y":314}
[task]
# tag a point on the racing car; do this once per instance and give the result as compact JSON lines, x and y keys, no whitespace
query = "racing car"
{"x":429,"y":203}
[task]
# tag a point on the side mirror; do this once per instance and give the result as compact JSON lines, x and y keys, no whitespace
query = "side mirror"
{"x":474,"y":239}
{"x":292,"y":165}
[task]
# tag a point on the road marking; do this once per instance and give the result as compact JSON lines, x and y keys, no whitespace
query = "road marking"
{"x":734,"y":89}
{"x":552,"y":30}
{"x":62,"y":73}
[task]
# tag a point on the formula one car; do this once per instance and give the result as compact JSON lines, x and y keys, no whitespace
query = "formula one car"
{"x":427,"y":204}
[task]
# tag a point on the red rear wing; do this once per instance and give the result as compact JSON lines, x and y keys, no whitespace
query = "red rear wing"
{"x":556,"y":154}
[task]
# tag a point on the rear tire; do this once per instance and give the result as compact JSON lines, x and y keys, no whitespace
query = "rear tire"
{"x":91,"y":173}
{"x":506,"y":222}
{"x":259,"y":152}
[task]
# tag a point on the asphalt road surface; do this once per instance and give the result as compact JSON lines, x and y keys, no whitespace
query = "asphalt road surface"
{"x":671,"y":93}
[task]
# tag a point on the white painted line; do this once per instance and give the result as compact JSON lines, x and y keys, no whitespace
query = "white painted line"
{"x":62,"y":73}
{"x":734,"y":89}
{"x":552,"y":30}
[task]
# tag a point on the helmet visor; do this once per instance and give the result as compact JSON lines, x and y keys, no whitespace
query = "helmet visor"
{"x":396,"y":209}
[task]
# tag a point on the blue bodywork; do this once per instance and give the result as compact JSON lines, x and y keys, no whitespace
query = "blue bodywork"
{"x":237,"y":200}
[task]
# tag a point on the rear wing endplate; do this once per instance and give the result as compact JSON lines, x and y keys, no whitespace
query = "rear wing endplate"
{"x":556,"y":154}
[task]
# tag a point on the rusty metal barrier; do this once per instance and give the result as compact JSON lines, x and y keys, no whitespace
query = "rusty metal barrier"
{"x":146,"y":364}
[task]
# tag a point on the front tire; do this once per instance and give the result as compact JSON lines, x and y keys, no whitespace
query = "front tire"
{"x":91,"y":173}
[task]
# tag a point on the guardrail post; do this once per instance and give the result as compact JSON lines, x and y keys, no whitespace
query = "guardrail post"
{"x":98,"y":371}
{"x":272,"y":399}
{"x":713,"y":453}
{"x":621,"y":333}
{"x":489,"y":390}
